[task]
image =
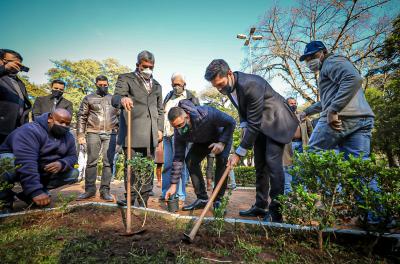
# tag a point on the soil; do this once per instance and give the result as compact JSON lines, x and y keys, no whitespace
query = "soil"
{"x":94,"y":235}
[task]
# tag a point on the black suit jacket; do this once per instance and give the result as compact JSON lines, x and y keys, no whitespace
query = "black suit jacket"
{"x":10,"y":117}
{"x":264,"y":110}
{"x":44,"y":104}
{"x":147,"y":113}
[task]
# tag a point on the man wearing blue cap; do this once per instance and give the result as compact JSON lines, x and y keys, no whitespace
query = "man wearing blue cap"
{"x":346,"y":118}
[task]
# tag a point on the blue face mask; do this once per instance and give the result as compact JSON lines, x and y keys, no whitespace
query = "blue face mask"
{"x":184,"y":130}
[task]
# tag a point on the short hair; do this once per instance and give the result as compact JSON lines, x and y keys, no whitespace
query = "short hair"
{"x":16,"y":54}
{"x":175,"y":112}
{"x":145,"y":56}
{"x":101,"y":78}
{"x":57,"y":81}
{"x":217,"y":67}
{"x":290,"y":98}
{"x":178,"y":74}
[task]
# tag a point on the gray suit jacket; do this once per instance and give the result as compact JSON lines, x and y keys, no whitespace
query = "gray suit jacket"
{"x":262,"y":110}
{"x":147,"y":113}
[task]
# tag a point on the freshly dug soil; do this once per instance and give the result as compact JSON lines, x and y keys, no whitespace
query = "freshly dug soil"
{"x":93,"y":235}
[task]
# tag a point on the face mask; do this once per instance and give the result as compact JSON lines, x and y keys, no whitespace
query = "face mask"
{"x":293,"y":107}
{"x":178,"y":90}
{"x":102,"y":90}
{"x":314,"y":64}
{"x":56,"y":93}
{"x":146,"y":73}
{"x":183,"y":130}
{"x":227,"y":89}
{"x":58,"y":131}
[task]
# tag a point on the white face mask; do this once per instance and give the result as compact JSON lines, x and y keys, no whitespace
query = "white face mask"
{"x":146,"y":73}
{"x":314,"y":64}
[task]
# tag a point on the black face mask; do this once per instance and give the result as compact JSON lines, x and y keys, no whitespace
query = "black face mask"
{"x":227,"y":89}
{"x":56,"y":93}
{"x":102,"y":90}
{"x":293,"y":107}
{"x":58,"y":131}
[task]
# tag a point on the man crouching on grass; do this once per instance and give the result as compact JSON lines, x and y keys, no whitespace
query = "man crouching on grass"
{"x":44,"y":154}
{"x":210,"y":131}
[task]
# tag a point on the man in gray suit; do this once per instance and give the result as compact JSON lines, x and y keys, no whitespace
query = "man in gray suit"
{"x":138,"y":92}
{"x":268,"y":125}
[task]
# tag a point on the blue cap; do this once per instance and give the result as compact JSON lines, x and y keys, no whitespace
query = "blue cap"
{"x":311,"y":48}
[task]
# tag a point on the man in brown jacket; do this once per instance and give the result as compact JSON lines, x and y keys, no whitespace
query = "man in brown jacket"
{"x":299,"y":141}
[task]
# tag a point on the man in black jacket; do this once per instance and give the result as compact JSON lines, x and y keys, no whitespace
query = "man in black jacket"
{"x":210,"y":131}
{"x":268,"y":125}
{"x":14,"y":101}
{"x":48,"y":103}
{"x":97,"y":128}
{"x":140,"y":93}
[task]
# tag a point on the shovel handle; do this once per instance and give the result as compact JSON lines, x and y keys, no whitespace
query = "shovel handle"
{"x":128,"y":176}
{"x":209,"y":203}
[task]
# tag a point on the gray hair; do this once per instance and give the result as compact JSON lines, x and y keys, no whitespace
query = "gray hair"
{"x":176,"y":75}
{"x":145,"y":56}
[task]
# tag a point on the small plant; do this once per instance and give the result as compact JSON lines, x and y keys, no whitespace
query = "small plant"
{"x":6,"y":167}
{"x":245,"y":176}
{"x":219,"y":214}
{"x":64,"y":201}
{"x":142,"y":169}
{"x":250,"y":251}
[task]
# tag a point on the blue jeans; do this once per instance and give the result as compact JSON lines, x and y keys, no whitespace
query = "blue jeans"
{"x":296,"y":146}
{"x":167,"y":169}
{"x":354,"y":139}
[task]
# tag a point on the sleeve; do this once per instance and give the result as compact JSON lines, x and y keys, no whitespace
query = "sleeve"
{"x":83,"y":114}
{"x":255,"y":104}
{"x":2,"y":70}
{"x":26,"y":151}
{"x":71,"y":158}
{"x":221,"y":119}
{"x":70,"y":108}
{"x":349,"y":80}
{"x":160,"y":109}
{"x":313,"y":109}
{"x":121,"y":90}
{"x":179,"y":158}
{"x":36,"y":108}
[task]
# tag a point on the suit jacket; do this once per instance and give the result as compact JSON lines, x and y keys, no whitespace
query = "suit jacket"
{"x":44,"y":104}
{"x":262,"y":110}
{"x":10,"y":104}
{"x":147,"y":114}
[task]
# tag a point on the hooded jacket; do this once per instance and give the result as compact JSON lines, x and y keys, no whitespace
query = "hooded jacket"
{"x":34,"y":147}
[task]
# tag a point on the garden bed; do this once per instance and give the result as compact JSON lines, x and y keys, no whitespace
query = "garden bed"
{"x":92,"y":234}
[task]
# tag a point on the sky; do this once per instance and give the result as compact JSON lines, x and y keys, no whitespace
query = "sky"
{"x":184,"y":36}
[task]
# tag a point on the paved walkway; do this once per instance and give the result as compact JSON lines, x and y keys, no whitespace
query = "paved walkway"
{"x":240,"y":199}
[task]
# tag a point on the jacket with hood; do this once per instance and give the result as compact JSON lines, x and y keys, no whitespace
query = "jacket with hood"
{"x":34,"y":147}
{"x":207,"y":125}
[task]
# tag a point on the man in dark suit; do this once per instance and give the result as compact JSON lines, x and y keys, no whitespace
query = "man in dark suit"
{"x":14,"y":101}
{"x":268,"y":125}
{"x":49,"y":103}
{"x":140,"y":93}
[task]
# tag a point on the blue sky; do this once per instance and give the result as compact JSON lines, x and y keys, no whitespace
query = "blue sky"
{"x":184,"y":35}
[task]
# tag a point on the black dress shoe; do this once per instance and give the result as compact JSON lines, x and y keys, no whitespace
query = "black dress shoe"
{"x":85,"y":195}
{"x":273,"y":216}
{"x":253,"y":211}
{"x":106,"y":196}
{"x":198,"y":204}
{"x":124,"y":202}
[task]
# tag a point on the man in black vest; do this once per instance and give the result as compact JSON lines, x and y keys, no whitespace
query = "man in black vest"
{"x":268,"y":125}
{"x":14,"y":101}
{"x":49,"y":103}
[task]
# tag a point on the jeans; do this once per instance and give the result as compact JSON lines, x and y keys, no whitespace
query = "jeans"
{"x":193,"y":160}
{"x":48,"y":180}
{"x":354,"y":138}
{"x":167,"y":169}
{"x":105,"y":143}
{"x":298,"y":147}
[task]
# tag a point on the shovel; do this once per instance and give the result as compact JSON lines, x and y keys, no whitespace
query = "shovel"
{"x":128,"y":221}
{"x":190,"y":237}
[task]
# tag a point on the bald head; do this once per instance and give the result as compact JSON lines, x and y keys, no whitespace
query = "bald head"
{"x":59,"y":120}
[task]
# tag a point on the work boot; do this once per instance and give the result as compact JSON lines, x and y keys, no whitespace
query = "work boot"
{"x":86,"y":195}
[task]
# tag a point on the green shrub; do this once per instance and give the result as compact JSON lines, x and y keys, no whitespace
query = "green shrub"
{"x":245,"y":176}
